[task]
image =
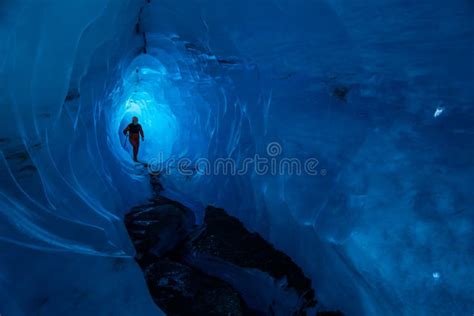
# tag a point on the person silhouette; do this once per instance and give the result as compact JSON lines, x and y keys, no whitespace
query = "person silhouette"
{"x":133,"y":131}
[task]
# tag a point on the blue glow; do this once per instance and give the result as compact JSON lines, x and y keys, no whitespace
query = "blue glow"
{"x":142,"y":95}
{"x":379,"y":92}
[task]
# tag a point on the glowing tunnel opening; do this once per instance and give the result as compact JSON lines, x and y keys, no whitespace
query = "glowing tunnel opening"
{"x":142,"y":94}
{"x":157,"y":120}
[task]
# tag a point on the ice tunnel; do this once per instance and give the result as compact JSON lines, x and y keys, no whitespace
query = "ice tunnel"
{"x":371,"y":102}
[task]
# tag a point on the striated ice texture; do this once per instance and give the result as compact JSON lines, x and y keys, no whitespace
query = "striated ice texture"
{"x":379,"y":92}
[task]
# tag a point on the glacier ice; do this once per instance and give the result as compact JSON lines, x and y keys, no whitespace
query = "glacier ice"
{"x":385,"y":228}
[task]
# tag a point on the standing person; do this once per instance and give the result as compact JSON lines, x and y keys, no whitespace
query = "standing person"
{"x":134,"y":131}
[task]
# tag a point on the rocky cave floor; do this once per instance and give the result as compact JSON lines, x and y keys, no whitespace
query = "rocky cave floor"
{"x":217,"y":268}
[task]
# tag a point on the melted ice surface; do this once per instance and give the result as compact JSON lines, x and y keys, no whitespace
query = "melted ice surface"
{"x":351,"y":84}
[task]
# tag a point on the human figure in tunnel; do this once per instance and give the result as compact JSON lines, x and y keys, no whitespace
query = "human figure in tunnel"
{"x":134,"y":131}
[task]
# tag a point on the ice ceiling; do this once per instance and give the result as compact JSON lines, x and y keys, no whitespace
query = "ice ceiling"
{"x":380,"y":92}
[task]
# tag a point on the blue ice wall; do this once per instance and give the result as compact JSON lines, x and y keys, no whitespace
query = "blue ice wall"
{"x":379,"y":92}
{"x":63,"y":245}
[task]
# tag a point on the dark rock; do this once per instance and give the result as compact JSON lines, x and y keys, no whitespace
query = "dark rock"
{"x":268,"y":279}
{"x":156,"y":185}
{"x":180,"y":290}
{"x":139,"y":21}
{"x":145,"y":43}
{"x":72,"y":95}
{"x":18,"y":155}
{"x":162,"y":200}
{"x":336,"y":313}
{"x":158,"y":228}
{"x":219,"y":268}
{"x":341,"y":93}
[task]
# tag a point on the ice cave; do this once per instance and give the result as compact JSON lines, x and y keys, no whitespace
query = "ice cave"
{"x":300,"y":157}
